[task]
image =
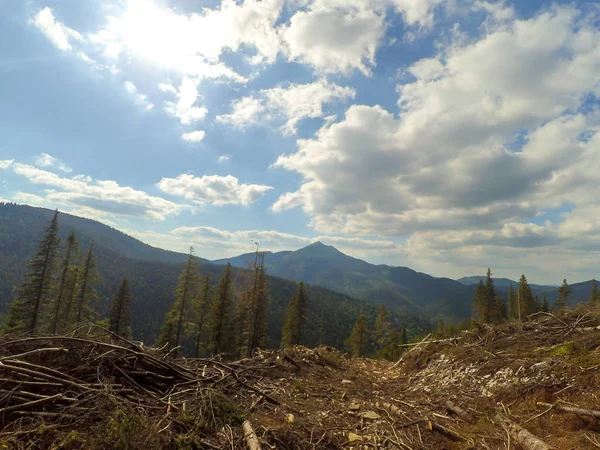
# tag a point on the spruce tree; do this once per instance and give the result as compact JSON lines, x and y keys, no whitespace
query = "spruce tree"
{"x":87,"y":295}
{"x":481,"y":311}
{"x":219,"y":321}
{"x":403,"y":338}
{"x":67,"y":309}
{"x":71,"y":253}
{"x":200,"y":308}
{"x":499,"y":311}
{"x":525,"y":299}
{"x":294,"y":318}
{"x":594,"y":294}
{"x":383,"y":328}
{"x":187,"y":289}
{"x":119,"y":320}
{"x":359,"y":338}
{"x":252,"y":307}
{"x":34,"y":295}
{"x":564,"y":292}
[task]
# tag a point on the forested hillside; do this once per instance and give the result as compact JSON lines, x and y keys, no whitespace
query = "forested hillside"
{"x":153,"y":273}
{"x":399,"y":288}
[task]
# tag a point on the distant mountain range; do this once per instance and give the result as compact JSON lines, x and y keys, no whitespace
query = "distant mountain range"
{"x":153,"y":273}
{"x":504,"y":283}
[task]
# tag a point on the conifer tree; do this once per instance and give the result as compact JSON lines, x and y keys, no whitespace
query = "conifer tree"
{"x":513,"y":305}
{"x":359,"y":338}
{"x":200,"y":308}
{"x":594,"y":294}
{"x":499,"y":312}
{"x":403,"y":338}
{"x":87,"y":295}
{"x":34,"y":294}
{"x":71,"y":253}
{"x":119,"y":320}
{"x":545,"y":304}
{"x":187,"y":289}
{"x":220,"y":326}
{"x":480,"y":304}
{"x":252,"y":307}
{"x":294,"y":318}
{"x":67,"y":309}
{"x":525,"y":299}
{"x":383,"y":328}
{"x":564,"y":292}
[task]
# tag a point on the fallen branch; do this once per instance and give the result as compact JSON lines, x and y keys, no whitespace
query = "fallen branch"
{"x":525,"y":438}
{"x":250,"y":436}
{"x":450,"y":434}
{"x":457,"y":410}
{"x":572,"y":410}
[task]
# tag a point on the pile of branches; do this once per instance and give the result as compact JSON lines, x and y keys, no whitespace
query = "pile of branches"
{"x":75,"y":381}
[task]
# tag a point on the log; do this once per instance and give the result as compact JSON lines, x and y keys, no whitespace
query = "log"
{"x":452,"y":435}
{"x":29,"y":405}
{"x":572,"y":410}
{"x":250,"y":436}
{"x":457,"y":410}
{"x":526,"y":439}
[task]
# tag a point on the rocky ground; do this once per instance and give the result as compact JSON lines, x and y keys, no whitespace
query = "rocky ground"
{"x":479,"y":390}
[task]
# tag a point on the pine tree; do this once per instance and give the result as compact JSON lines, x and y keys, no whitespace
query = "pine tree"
{"x":119,"y":320}
{"x":187,"y":289}
{"x":513,"y":304}
{"x":220,"y":327}
{"x":34,"y":294}
{"x":71,"y":253}
{"x":294,"y":319}
{"x":383,"y":328}
{"x":358,"y":340}
{"x":564,"y":292}
{"x":87,"y":295}
{"x":594,"y":295}
{"x":545,"y":304}
{"x":200,"y":308}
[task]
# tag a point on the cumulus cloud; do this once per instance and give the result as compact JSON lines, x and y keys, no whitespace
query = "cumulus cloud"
{"x":193,"y":136}
{"x":292,"y":103}
{"x":140,"y":99}
{"x":185,"y":109}
{"x":224,"y":159}
{"x":57,"y":33}
{"x":449,"y":160}
{"x":46,"y":160}
{"x":213,"y":189}
{"x":102,"y":197}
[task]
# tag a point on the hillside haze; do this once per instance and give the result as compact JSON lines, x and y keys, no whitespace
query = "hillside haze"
{"x":153,"y":273}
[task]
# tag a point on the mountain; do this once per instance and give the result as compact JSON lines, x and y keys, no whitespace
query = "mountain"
{"x":504,"y":283}
{"x":399,"y":288}
{"x":153,"y":273}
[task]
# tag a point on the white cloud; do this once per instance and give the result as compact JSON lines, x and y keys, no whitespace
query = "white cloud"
{"x":214,"y":243}
{"x":168,"y":88}
{"x":6,"y":163}
{"x":58,"y":34}
{"x":292,"y":103}
{"x":214,"y":189}
{"x":140,"y":99}
{"x":419,"y":12}
{"x":185,"y":109}
{"x":46,"y":160}
{"x":224,"y":159}
{"x":193,"y":136}
{"x":335,"y":36}
{"x":98,"y":197}
{"x":447,"y":161}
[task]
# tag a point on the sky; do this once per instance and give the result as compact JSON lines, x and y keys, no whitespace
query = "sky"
{"x":444,"y":135}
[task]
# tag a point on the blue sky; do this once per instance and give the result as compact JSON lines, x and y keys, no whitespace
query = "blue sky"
{"x":444,"y":135}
